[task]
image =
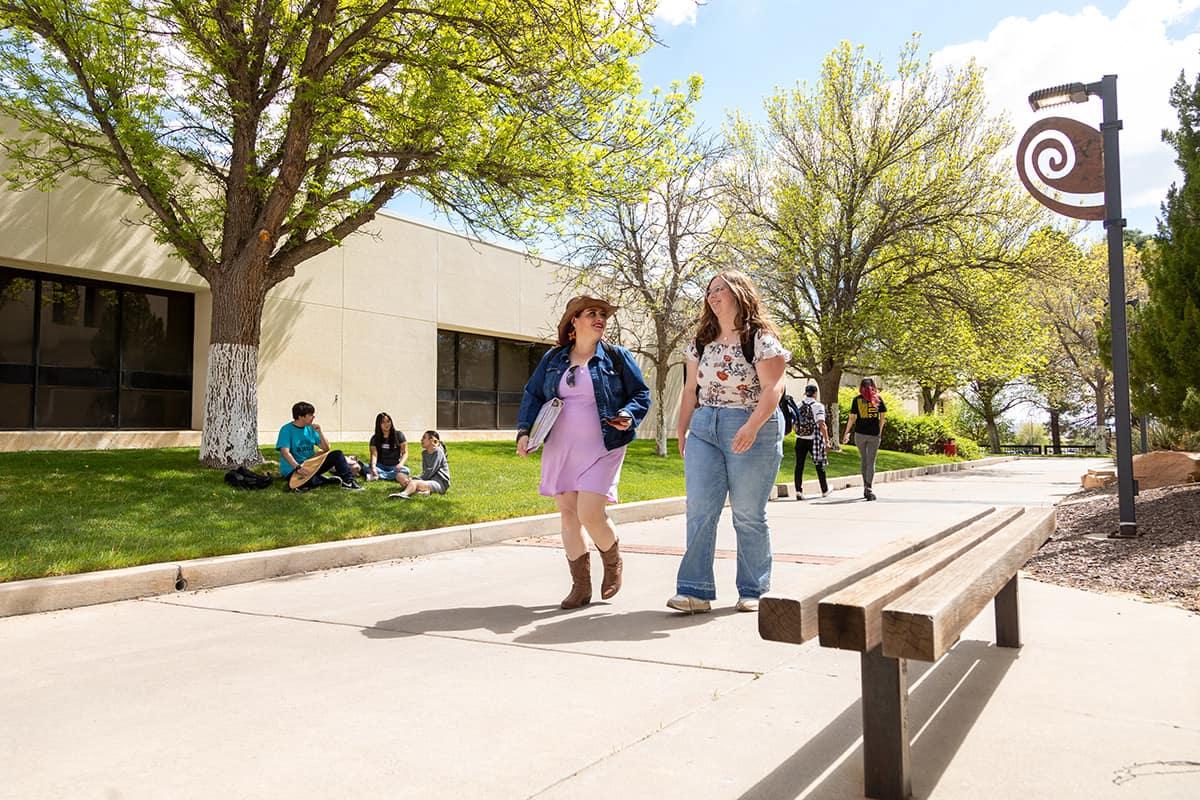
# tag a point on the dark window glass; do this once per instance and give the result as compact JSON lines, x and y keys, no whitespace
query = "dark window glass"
{"x":514,"y":366}
{"x":16,"y":350}
{"x":156,"y":360}
{"x":476,"y":362}
{"x":445,"y":361}
{"x":476,"y":415}
{"x":508,"y":415}
{"x":447,"y":415}
{"x":16,"y":406}
{"x":99,"y":349}
{"x":481,"y":380}
{"x":77,"y":354}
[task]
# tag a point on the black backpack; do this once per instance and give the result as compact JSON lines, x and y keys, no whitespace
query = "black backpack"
{"x":242,"y":478}
{"x":791,"y":414}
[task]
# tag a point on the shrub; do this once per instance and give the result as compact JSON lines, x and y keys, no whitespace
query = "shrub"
{"x":968,"y":449}
{"x":923,"y":435}
{"x":1168,"y":437}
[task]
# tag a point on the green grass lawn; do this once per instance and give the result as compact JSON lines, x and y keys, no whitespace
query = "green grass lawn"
{"x":77,"y":512}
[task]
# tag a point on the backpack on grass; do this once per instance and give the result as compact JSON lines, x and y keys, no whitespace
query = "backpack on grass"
{"x":242,"y":478}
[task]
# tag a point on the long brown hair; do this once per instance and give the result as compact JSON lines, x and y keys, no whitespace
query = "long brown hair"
{"x":751,"y":317}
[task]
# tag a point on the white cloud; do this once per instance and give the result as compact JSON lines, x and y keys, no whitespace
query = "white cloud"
{"x":1146,"y":45}
{"x":677,"y":12}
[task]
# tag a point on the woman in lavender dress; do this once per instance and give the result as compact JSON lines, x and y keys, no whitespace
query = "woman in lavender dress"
{"x":604,"y":400}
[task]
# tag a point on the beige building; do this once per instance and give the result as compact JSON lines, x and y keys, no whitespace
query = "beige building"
{"x":104,"y":335}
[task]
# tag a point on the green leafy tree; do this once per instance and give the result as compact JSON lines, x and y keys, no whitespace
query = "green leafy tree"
{"x":259,"y":133}
{"x":953,"y":327}
{"x":1164,"y":356}
{"x":1072,"y":297}
{"x":862,"y":190}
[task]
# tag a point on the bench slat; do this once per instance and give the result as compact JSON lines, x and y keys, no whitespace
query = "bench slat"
{"x":851,"y":619}
{"x":794,"y":619}
{"x":927,"y":621}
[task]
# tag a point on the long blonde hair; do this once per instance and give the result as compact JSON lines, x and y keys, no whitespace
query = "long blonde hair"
{"x":751,"y":317}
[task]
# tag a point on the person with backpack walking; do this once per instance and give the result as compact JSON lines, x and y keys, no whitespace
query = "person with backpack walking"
{"x":604,"y":399}
{"x":812,"y":437}
{"x":731,"y":440}
{"x":867,"y":416}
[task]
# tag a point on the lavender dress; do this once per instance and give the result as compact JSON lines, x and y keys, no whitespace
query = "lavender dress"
{"x":574,"y":458}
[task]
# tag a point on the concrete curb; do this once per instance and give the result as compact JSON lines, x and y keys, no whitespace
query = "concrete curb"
{"x":107,"y":586}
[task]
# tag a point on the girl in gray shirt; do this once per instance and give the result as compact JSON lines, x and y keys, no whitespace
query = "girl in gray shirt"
{"x":435,"y":470}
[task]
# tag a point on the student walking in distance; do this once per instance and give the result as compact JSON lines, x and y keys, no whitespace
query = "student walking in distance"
{"x":604,"y":399}
{"x":867,"y":414}
{"x":731,"y":440}
{"x":812,"y":436}
{"x":435,"y":470}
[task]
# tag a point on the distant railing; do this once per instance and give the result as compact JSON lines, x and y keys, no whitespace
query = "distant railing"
{"x":1047,"y":449}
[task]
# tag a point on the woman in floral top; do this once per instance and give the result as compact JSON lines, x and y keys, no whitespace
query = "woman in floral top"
{"x":731,"y":440}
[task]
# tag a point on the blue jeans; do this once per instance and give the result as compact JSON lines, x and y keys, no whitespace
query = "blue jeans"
{"x":389,"y":473}
{"x":713,"y":471}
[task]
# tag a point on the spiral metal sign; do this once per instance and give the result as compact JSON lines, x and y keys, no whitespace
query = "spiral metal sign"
{"x":1067,"y":157}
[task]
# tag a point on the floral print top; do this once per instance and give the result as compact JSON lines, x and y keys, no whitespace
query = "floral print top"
{"x":726,"y":379}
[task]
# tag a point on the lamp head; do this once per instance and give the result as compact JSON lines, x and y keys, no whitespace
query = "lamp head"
{"x":1057,"y":95}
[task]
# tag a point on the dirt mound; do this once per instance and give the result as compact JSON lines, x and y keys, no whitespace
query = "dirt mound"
{"x":1162,"y":565}
{"x":1165,"y":468}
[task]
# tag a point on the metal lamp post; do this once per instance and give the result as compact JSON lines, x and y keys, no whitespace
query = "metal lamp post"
{"x":1092,"y":166}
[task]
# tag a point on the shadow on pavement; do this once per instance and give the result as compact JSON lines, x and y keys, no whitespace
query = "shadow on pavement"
{"x":941,"y":711}
{"x":634,"y":626}
{"x":557,"y":626}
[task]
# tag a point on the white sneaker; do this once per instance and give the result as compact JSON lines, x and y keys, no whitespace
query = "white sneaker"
{"x":747,"y":604}
{"x":799,"y":496}
{"x":688,"y":604}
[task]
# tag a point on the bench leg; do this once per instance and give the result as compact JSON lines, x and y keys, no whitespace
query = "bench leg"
{"x":885,"y":726}
{"x":1008,"y":618}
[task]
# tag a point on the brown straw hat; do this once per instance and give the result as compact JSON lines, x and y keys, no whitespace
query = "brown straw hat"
{"x":577,"y":305}
{"x":306,"y":470}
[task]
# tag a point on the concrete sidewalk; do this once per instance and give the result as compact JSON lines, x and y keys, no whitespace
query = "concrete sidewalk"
{"x":455,"y":675}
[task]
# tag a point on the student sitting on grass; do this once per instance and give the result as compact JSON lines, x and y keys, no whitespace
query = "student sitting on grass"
{"x":389,"y":451}
{"x":299,"y":440}
{"x":435,"y":471}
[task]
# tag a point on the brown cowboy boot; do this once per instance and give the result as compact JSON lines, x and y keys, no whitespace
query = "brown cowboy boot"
{"x":581,"y":582}
{"x":610,"y":584}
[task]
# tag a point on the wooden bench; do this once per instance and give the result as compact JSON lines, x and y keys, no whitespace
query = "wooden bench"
{"x":910,"y":599}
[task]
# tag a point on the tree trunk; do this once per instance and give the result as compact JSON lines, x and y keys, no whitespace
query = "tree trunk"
{"x":929,"y":399}
{"x":661,"y":373}
{"x":993,"y":431}
{"x":1056,"y":431}
{"x":827,"y":384}
{"x":230,"y":435}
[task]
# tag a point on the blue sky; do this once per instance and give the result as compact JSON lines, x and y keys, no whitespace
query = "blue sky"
{"x":744,"y":49}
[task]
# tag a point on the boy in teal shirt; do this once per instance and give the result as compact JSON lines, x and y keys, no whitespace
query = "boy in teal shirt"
{"x":300,"y":440}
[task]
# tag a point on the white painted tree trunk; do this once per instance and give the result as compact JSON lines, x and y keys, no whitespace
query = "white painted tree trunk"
{"x":231,"y":407}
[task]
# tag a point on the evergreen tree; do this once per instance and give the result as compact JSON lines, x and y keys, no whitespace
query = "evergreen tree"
{"x":1165,"y":358}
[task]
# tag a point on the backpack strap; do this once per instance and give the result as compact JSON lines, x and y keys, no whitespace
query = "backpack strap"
{"x":749,"y":341}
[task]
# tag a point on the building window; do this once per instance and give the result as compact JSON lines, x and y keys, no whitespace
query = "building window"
{"x":87,"y":355}
{"x":481,"y":379}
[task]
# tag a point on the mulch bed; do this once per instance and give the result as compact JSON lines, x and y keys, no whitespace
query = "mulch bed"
{"x":1162,"y":565}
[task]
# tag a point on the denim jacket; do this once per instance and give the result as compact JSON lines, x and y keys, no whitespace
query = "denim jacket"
{"x":617,"y":391}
